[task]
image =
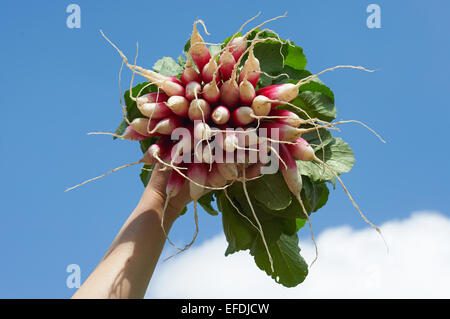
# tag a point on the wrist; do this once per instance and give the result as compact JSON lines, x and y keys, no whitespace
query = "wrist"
{"x":152,"y":199}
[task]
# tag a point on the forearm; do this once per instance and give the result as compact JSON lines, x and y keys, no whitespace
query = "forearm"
{"x":126,"y":269}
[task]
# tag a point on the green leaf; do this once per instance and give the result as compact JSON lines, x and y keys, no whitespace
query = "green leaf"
{"x":270,"y":56}
{"x":271,"y":191}
{"x":181,"y":61}
{"x":205,"y":202}
{"x":314,"y":194}
{"x":187,"y":46}
{"x":290,"y":269}
{"x":338,"y":156}
{"x":146,"y":174}
{"x":213,"y":49}
{"x":145,"y":144}
{"x":300,"y":222}
{"x":315,"y":85}
{"x":183,"y":211}
{"x":294,"y":75}
{"x":316,"y":104}
{"x":295,"y":57}
{"x":121,"y":128}
{"x":167,"y":66}
{"x":238,"y":231}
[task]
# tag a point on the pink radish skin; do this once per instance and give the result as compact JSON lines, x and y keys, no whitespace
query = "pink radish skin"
{"x":261,"y":105}
{"x":202,"y":131}
{"x":237,"y":46}
{"x":167,"y":125}
{"x":184,"y":146}
{"x":199,"y":52}
{"x":220,"y":115}
{"x":170,"y":88}
{"x":248,"y":139}
{"x":246,"y":92}
{"x":250,"y":69}
{"x":211,"y":92}
{"x":155,"y":110}
{"x":131,"y":134}
{"x":226,"y":62}
{"x":229,"y":93}
{"x":290,"y":173}
{"x":190,"y":74}
{"x":285,"y":132}
{"x":140,"y":125}
{"x":242,"y":116}
{"x":209,"y":70}
{"x":198,"y":172}
{"x":193,"y":90}
{"x":175,"y":184}
{"x":152,"y":97}
{"x":199,"y":109}
{"x":179,"y":105}
{"x":175,"y":80}
{"x":284,"y":92}
{"x":228,"y":141}
{"x":291,"y":118}
{"x":301,"y":150}
{"x":159,"y":149}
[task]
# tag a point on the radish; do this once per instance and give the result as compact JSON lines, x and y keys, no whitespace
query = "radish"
{"x":301,"y":150}
{"x":227,"y":140}
{"x":202,"y":131}
{"x":211,"y":92}
{"x":140,"y":125}
{"x":199,"y":52}
{"x":242,"y":116}
{"x":190,"y":74}
{"x":156,"y":152}
{"x":199,"y":109}
{"x":287,"y":117}
{"x":155,"y":110}
{"x":167,"y":125}
{"x":261,"y":105}
{"x":174,"y":184}
{"x":293,"y":180}
{"x":211,"y":70}
{"x":246,"y":92}
{"x":193,"y":90}
{"x":283,"y":92}
{"x":226,"y":64}
{"x":251,"y":69}
{"x":238,"y":46}
{"x":197,"y":174}
{"x":285,"y":132}
{"x":249,"y":137}
{"x":229,"y":93}
{"x":152,"y":97}
{"x":181,"y":150}
{"x":220,"y":115}
{"x":179,"y":105}
{"x":132,"y":135}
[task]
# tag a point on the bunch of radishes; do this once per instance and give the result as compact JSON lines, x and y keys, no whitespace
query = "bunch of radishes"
{"x":217,"y":101}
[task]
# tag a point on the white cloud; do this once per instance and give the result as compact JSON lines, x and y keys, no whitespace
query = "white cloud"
{"x":351,"y":264}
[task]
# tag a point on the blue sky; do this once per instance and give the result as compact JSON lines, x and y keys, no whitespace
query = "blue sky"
{"x":60,"y":83}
